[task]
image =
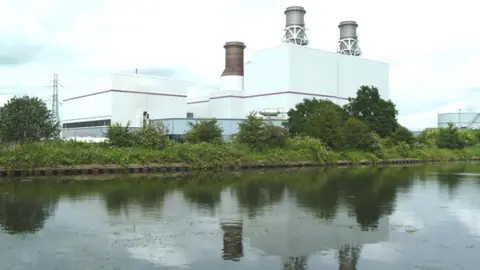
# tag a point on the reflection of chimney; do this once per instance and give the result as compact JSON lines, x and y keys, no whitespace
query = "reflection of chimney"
{"x":232,"y":75}
{"x":295,"y":263}
{"x":232,"y":240}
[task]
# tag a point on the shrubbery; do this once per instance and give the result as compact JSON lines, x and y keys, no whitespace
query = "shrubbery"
{"x":317,"y":131}
{"x":204,"y":131}
{"x":151,"y":136}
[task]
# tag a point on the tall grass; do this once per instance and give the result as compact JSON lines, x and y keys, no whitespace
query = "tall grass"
{"x":56,"y":153}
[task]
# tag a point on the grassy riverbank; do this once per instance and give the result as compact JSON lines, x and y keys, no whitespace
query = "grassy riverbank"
{"x":201,"y":155}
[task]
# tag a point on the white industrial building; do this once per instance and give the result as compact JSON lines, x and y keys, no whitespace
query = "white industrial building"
{"x":460,"y":119}
{"x":274,"y":81}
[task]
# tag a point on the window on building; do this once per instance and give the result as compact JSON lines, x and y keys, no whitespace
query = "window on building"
{"x":96,"y":123}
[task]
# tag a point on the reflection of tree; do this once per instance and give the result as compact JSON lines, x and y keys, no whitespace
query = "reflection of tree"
{"x":450,"y":181}
{"x":348,"y":257}
{"x":204,"y":197}
{"x":232,"y":241}
{"x":295,"y":263}
{"x":119,"y":197}
{"x":25,"y":212}
{"x":370,"y":195}
{"x":318,"y":193}
{"x":254,"y":195}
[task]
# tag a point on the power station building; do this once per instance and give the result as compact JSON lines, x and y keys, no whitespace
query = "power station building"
{"x":274,"y":81}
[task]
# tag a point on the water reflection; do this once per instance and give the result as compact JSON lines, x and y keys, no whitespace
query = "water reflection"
{"x":232,"y":240}
{"x":269,"y":220}
{"x":295,"y":263}
{"x":348,"y":257}
{"x":23,"y":211}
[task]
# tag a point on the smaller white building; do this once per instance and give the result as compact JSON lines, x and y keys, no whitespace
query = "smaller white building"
{"x":123,"y":98}
{"x":460,"y":119}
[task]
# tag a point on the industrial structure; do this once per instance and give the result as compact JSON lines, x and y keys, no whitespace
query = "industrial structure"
{"x":274,"y":81}
{"x":463,"y":119}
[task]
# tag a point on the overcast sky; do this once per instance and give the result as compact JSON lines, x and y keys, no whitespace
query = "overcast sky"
{"x":432,"y":47}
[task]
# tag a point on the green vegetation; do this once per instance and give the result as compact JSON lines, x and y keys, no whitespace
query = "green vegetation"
{"x":25,"y":119}
{"x":316,"y":131}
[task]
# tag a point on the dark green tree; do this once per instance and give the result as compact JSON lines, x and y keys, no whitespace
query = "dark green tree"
{"x":402,"y":134}
{"x":379,"y":114}
{"x":25,"y":119}
{"x":449,"y":138}
{"x":204,"y":131}
{"x":358,"y":136}
{"x":297,"y":117}
{"x":325,"y":123}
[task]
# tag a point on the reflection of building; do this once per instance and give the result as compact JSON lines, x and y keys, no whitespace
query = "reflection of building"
{"x":231,"y":222}
{"x":294,"y":263}
{"x":232,"y":240}
{"x":292,"y":233}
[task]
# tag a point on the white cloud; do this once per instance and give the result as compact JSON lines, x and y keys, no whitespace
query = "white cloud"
{"x":432,"y":51}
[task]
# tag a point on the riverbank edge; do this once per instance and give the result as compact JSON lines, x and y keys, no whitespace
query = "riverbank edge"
{"x":101,"y":169}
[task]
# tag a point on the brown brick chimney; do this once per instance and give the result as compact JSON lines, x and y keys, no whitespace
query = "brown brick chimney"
{"x":234,"y":58}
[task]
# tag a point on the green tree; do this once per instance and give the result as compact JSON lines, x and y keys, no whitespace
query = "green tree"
{"x":258,"y":134}
{"x":402,"y":134}
{"x":297,"y":117}
{"x":449,"y":138}
{"x":277,"y":136}
{"x":379,"y":114}
{"x":252,"y":131}
{"x":120,"y":136}
{"x":152,"y":136}
{"x":25,"y":119}
{"x":204,"y":131}
{"x":326,"y":123}
{"x":358,"y":136}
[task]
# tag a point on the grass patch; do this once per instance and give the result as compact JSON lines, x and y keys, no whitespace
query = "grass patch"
{"x":203,"y":155}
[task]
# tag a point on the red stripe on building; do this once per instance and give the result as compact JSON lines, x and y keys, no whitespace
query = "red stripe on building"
{"x":270,"y":94}
{"x":126,"y":91}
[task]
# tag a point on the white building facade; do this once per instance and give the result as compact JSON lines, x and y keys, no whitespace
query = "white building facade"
{"x":274,"y":81}
{"x":281,"y":77}
{"x":123,"y":99}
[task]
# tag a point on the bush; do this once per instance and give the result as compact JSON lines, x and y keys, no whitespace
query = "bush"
{"x":402,"y":134}
{"x":468,"y":137}
{"x":120,"y":136}
{"x":449,"y":138}
{"x":152,"y":136}
{"x":204,"y":131}
{"x":428,"y":137}
{"x":313,"y":148}
{"x":259,"y":135}
{"x":278,"y":136}
{"x":358,"y":136}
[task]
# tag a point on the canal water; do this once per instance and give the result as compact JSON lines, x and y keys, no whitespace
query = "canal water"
{"x":366,"y":219}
